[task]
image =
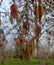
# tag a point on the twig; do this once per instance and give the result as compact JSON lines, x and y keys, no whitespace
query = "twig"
{"x":46,"y":29}
{"x":51,"y":6}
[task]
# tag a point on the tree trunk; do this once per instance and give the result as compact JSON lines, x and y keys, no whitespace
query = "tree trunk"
{"x":39,"y":53}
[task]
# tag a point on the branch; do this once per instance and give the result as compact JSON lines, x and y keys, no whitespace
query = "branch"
{"x":51,"y":6}
{"x":4,"y":13}
{"x":46,"y":29}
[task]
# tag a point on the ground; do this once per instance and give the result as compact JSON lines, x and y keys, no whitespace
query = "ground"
{"x":22,"y":62}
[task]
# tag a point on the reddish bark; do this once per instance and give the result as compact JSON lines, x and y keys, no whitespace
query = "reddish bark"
{"x":38,"y":31}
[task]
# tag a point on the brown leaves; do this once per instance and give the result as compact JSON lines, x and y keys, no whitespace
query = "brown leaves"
{"x":40,"y":13}
{"x":14,"y":13}
{"x":39,"y":10}
{"x":25,"y":29}
{"x":27,"y":47}
{"x":36,"y":12}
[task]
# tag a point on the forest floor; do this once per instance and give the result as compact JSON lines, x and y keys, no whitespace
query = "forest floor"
{"x":22,"y":62}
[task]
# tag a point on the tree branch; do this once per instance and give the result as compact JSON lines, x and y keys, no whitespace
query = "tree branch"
{"x":46,"y":29}
{"x":51,"y":6}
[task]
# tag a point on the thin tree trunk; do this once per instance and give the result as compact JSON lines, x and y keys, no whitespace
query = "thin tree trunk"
{"x":39,"y":53}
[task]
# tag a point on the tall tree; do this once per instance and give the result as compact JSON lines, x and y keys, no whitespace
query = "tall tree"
{"x":30,"y":20}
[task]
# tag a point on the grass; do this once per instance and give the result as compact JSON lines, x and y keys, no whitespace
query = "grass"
{"x":50,"y":62}
{"x":22,"y":62}
{"x":19,"y":62}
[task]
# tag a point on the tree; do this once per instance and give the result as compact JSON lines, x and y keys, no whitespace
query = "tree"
{"x":23,"y":21}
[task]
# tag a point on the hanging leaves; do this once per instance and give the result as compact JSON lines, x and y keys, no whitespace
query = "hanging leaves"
{"x":27,"y":47}
{"x":36,"y":12}
{"x":39,"y":11}
{"x":14,"y":10}
{"x":14,"y":13}
{"x":43,"y":10}
{"x":39,"y":8}
{"x":25,"y":28}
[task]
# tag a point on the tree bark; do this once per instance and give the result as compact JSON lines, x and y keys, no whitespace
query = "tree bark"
{"x":39,"y":53}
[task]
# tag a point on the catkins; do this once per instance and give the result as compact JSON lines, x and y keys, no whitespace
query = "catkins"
{"x":27,"y":47}
{"x":14,"y":12}
{"x":36,"y":12}
{"x":25,"y":28}
{"x":39,"y":10}
{"x":40,"y":13}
